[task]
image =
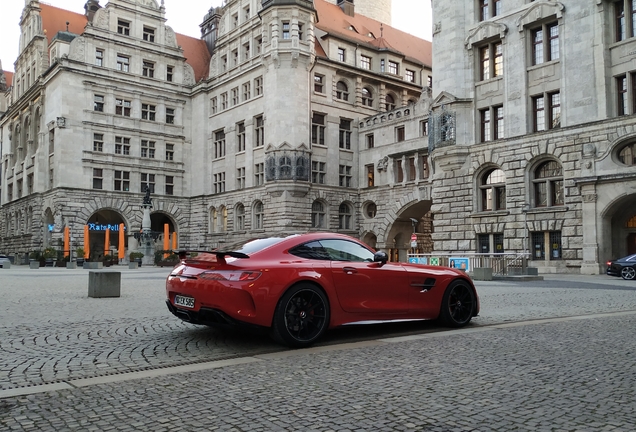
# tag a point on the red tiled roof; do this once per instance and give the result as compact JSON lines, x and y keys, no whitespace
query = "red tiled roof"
{"x":8,"y":77}
{"x":333,"y":20}
{"x":54,"y":20}
{"x":197,"y":55}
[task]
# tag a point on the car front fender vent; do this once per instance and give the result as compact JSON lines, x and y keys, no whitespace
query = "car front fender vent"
{"x":425,"y":286}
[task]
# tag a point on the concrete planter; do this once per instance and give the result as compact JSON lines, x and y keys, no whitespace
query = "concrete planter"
{"x":104,"y":284}
{"x":6,"y":265}
{"x":34,"y":264}
{"x":71,"y":265}
{"x":133,"y":265}
{"x":482,"y":273}
{"x":93,"y":265}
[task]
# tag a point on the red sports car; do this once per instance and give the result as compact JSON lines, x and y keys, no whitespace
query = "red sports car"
{"x":300,"y":285}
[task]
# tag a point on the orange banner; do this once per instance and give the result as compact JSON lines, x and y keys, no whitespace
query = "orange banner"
{"x":121,"y":253}
{"x":67,"y":242}
{"x":166,"y":239}
{"x":174,"y":241}
{"x":107,"y":242}
{"x":87,"y":249}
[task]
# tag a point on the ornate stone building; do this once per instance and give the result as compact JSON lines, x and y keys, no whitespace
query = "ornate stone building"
{"x":533,"y":130}
{"x":287,"y":115}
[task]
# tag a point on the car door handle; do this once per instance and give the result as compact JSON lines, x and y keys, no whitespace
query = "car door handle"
{"x":349,"y":270}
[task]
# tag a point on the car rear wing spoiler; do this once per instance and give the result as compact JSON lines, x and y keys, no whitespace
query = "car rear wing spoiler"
{"x":185,"y":254}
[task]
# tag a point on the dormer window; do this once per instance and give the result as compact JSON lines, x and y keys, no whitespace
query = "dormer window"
{"x":393,"y":67}
{"x":365,"y":62}
{"x":149,"y":34}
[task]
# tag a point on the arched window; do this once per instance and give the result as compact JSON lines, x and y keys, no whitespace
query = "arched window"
{"x":342,"y":91}
{"x":548,"y":184}
{"x":221,"y":217}
{"x":213,"y":216}
{"x":493,"y":190}
{"x":389,"y":102}
{"x":239,"y":217}
{"x":318,"y":215}
{"x":257,"y":215}
{"x":344,"y":216}
{"x":367,"y":97}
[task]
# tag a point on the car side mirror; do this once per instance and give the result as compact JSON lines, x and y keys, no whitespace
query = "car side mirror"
{"x":381,"y":257}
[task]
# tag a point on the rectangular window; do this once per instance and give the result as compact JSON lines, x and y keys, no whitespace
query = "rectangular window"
{"x":123,"y":27}
{"x":382,"y":63}
{"x":409,"y":75}
{"x":365,"y":62}
{"x":621,"y":89}
{"x":147,"y":182}
{"x":423,"y":166}
{"x":344,"y":175}
{"x":259,"y":174}
{"x":621,"y":27}
{"x":147,"y":149}
{"x":485,"y":124}
{"x":484,"y":10}
{"x":286,"y":30}
{"x":30,"y":184}
{"x":538,"y":110}
{"x":394,"y":68}
{"x":429,"y":81}
{"x":148,"y":112}
{"x":318,"y":172}
{"x":345,"y":134}
{"x":169,"y":152}
{"x":537,"y":46}
{"x":499,"y":126}
{"x":553,"y":42}
{"x":370,"y":169}
{"x":545,"y":49}
{"x":224,"y":101}
{"x":341,"y":54}
{"x":300,"y":32}
{"x":247,"y":92}
{"x":235,"y":96}
{"x":412,"y":169}
{"x":370,"y":139}
{"x":219,"y":144}
{"x":148,"y":69}
{"x":424,"y":128}
{"x":399,"y":134}
{"x":259,"y":131}
{"x":97,"y":178}
{"x":149,"y":34}
{"x":318,"y":83}
{"x":318,"y":129}
{"x":123,"y":63}
{"x":213,"y":105}
{"x":219,"y":183}
{"x":483,"y":243}
{"x":170,"y":115}
{"x":169,"y":73}
{"x":99,"y":57}
{"x":258,"y":86}
{"x":98,"y":142}
{"x":122,"y":181}
{"x":98,"y":103}
{"x":240,"y":178}
{"x":240,"y":137}
{"x":122,"y":145}
{"x":491,"y":61}
{"x":169,"y":185}
{"x":399,"y":170}
{"x":555,"y":245}
{"x":484,"y":59}
{"x":259,"y":45}
{"x":224,"y":63}
{"x":554,"y":120}
{"x":235,"y":58}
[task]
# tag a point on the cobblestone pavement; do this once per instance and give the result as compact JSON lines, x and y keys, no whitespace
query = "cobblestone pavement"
{"x":570,"y":375}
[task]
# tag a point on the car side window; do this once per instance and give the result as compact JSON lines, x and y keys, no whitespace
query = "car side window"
{"x":311,"y":250}
{"x":343,"y":250}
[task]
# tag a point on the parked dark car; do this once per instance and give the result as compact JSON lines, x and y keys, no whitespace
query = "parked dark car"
{"x":624,"y":267}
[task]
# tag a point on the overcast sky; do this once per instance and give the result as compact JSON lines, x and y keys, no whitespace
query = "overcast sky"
{"x":184,"y":16}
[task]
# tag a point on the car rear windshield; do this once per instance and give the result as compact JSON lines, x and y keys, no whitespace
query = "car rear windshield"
{"x":251,"y":246}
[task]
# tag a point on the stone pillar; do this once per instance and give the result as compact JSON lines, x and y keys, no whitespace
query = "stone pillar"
{"x":590,"y":264}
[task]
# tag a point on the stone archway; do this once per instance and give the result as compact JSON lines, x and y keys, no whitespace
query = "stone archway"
{"x":414,"y":217}
{"x":619,"y":227}
{"x":98,"y":223}
{"x":158,"y":220}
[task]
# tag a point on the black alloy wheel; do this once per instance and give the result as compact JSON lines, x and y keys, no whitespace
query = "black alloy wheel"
{"x":628,"y":273}
{"x":302,"y":316}
{"x":458,"y":304}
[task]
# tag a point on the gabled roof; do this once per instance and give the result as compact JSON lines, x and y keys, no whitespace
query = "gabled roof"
{"x":8,"y":76}
{"x":54,"y":20}
{"x":360,"y":29}
{"x":197,"y":55}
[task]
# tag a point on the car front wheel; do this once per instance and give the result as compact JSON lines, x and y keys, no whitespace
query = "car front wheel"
{"x":628,"y":273}
{"x":301,"y":317}
{"x":458,"y":304}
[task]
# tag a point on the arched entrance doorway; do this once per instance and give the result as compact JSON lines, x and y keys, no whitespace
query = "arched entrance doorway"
{"x":413,"y":218}
{"x":98,"y":224}
{"x":620,"y":220}
{"x":158,"y":222}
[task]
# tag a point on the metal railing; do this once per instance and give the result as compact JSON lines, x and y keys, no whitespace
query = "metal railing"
{"x":502,"y":264}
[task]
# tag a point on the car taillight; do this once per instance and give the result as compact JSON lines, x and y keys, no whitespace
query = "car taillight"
{"x":609,"y":263}
{"x":228,"y":275}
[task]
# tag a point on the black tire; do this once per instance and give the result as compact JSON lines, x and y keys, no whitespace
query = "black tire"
{"x":458,"y":304}
{"x":628,"y":273}
{"x":301,"y":316}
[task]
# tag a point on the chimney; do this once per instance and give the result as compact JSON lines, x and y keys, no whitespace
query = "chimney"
{"x":91,"y":7}
{"x":347,"y":7}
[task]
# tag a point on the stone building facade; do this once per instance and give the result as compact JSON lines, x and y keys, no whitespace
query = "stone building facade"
{"x":261,"y":126}
{"x":532,"y":134}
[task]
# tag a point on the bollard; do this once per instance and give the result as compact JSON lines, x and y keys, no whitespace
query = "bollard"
{"x":6,"y":265}
{"x":104,"y":284}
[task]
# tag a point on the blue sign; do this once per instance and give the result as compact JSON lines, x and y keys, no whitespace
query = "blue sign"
{"x":418,"y":260}
{"x":459,"y":263}
{"x":102,"y":227}
{"x":51,"y":227}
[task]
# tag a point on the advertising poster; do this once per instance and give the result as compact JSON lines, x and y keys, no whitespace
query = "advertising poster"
{"x":459,"y":263}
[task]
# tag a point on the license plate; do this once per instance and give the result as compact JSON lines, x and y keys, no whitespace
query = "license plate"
{"x":184,"y":301}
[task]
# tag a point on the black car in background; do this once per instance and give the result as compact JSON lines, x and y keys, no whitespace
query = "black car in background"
{"x":624,"y":267}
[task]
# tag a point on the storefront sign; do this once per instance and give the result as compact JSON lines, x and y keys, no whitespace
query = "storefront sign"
{"x":103,"y":227}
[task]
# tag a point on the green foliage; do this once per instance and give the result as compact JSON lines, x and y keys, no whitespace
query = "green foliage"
{"x":35,"y":255}
{"x":135,"y":255}
{"x":79,"y":252}
{"x":171,"y":256}
{"x":49,"y":252}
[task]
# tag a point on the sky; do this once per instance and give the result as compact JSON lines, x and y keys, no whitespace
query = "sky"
{"x":184,"y":16}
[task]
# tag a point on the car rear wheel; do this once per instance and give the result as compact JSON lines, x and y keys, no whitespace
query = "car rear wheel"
{"x":458,"y":304}
{"x":628,"y":273}
{"x":301,"y":317}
